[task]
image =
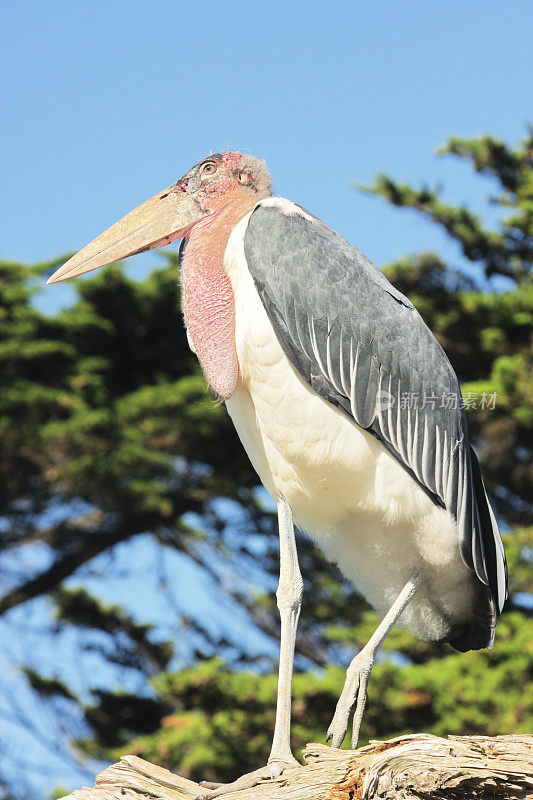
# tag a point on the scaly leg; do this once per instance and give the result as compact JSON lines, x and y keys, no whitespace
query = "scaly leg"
{"x":289,"y":597}
{"x":358,"y":672}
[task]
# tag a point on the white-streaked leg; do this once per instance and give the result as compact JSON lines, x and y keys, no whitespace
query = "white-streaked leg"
{"x":358,"y":672}
{"x":289,"y":597}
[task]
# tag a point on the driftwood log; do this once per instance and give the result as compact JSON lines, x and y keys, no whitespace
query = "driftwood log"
{"x":415,"y":767}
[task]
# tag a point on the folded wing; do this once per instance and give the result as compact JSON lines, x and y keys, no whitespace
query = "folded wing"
{"x":362,"y":346}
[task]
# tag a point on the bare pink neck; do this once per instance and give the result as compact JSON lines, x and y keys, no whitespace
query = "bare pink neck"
{"x":207,"y":300}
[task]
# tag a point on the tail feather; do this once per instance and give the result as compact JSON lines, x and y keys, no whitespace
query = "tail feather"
{"x":488,"y":561}
{"x":489,"y":536}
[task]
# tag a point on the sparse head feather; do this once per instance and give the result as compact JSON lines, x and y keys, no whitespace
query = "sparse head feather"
{"x":259,"y":173}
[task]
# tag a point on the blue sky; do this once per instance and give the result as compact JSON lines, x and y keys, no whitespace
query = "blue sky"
{"x":105,"y":103}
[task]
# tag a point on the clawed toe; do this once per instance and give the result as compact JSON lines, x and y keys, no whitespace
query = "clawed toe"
{"x":279,"y":765}
{"x":339,"y":723}
{"x":353,"y":693}
{"x":273,"y":771}
{"x":276,"y":769}
{"x":337,"y":730}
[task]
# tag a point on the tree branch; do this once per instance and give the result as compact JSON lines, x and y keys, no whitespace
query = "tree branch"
{"x":84,"y":548}
{"x":414,"y":767}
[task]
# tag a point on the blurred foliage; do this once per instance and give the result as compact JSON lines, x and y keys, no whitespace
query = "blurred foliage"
{"x":108,"y":432}
{"x":96,"y":405}
{"x":128,"y":643}
{"x":506,"y":251}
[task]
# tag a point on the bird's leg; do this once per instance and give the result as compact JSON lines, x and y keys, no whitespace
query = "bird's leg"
{"x":358,"y":672}
{"x":289,"y":597}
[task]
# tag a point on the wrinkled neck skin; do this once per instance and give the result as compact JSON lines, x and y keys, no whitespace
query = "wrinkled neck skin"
{"x":207,"y":300}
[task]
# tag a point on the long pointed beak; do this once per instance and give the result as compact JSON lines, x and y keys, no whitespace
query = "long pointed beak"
{"x":159,"y":221}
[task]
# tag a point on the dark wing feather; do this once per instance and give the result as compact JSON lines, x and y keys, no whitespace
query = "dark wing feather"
{"x":361,"y":345}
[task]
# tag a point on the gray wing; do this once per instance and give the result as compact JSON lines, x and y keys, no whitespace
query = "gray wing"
{"x":361,"y":345}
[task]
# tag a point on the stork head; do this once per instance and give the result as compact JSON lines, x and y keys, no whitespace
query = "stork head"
{"x":217,"y":182}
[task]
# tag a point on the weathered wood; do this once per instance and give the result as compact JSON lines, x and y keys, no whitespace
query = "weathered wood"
{"x":414,"y":767}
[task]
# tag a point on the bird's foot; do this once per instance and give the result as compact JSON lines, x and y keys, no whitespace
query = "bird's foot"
{"x":271,"y":772}
{"x":354,"y":692}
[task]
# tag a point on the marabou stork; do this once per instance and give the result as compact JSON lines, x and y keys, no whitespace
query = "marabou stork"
{"x":314,"y":352}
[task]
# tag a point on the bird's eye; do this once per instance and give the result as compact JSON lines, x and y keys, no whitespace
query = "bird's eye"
{"x":208,"y":169}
